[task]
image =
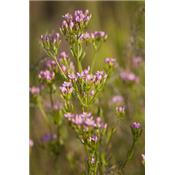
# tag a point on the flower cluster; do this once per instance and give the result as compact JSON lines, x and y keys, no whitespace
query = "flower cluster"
{"x":63,"y":56}
{"x":50,"y":43}
{"x":66,"y":90}
{"x":74,"y":24}
{"x":86,"y":76}
{"x":50,"y":64}
{"x":66,"y":65}
{"x":94,"y":36}
{"x":99,"y":35}
{"x":136,"y":129}
{"x":85,"y":120}
{"x":90,"y":131}
{"x":46,"y":75}
{"x":135,"y":125}
{"x":88,"y":85}
{"x":129,"y":76}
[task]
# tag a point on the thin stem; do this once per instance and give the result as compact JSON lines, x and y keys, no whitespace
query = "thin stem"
{"x":40,"y":106}
{"x":93,"y":62}
{"x":51,"y":98}
{"x":129,"y":155}
{"x":79,"y":65}
{"x":60,"y":68}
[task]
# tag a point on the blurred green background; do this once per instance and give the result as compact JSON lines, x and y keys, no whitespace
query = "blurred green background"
{"x":124,"y":24}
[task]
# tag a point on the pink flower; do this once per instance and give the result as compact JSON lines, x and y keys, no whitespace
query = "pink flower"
{"x":128,"y":76}
{"x":34,"y":90}
{"x":46,"y":75}
{"x":110,"y":61}
{"x":117,"y":99}
{"x":66,"y":88}
{"x":31,"y":143}
{"x":136,"y":125}
{"x":136,"y":61}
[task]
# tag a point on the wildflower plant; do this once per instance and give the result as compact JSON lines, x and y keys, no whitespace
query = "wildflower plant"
{"x":79,"y":88}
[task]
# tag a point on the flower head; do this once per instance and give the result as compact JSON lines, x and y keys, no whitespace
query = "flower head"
{"x":50,"y":64}
{"x":100,"y":76}
{"x":48,"y":137}
{"x":86,"y":120}
{"x":135,"y":125}
{"x":93,"y":138}
{"x":110,"y":61}
{"x":129,"y":76}
{"x":50,"y":43}
{"x":136,"y":129}
{"x":136,"y":61}
{"x":46,"y":75}
{"x":66,"y":88}
{"x":75,"y":23}
{"x":99,"y":35}
{"x":143,"y":159}
{"x":63,"y":55}
{"x":35,"y":90}
{"x":118,"y":99}
{"x":120,"y":109}
{"x":31,"y":143}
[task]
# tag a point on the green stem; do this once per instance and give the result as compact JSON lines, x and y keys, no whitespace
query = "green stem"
{"x":51,"y":98}
{"x":63,"y":74}
{"x":79,"y":65}
{"x":129,"y":155}
{"x":93,"y":62}
{"x":40,"y":106}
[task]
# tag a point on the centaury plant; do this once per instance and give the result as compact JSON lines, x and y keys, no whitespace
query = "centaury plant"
{"x":65,"y":79}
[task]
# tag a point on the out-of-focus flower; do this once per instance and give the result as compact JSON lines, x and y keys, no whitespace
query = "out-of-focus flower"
{"x":110,"y":61}
{"x":85,"y":120}
{"x":31,"y":143}
{"x":93,"y":138}
{"x":118,"y":99}
{"x":136,"y":61}
{"x":35,"y":90}
{"x":120,"y":109}
{"x":46,"y":75}
{"x":129,"y":76}
{"x":100,"y":123}
{"x":100,"y":35}
{"x":72,"y":76}
{"x":92,"y":160}
{"x":63,"y":55}
{"x":85,"y":36}
{"x":136,"y":125}
{"x":92,"y":92}
{"x":56,"y":106}
{"x":48,"y":137}
{"x":50,"y":64}
{"x":143,"y":159}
